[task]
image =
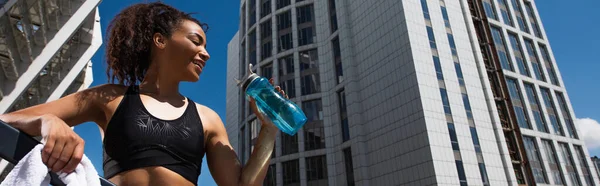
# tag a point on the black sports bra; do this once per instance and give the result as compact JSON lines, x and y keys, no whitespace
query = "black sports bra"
{"x":136,"y":139}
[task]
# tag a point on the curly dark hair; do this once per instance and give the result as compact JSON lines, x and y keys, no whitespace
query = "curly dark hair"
{"x":130,"y":38}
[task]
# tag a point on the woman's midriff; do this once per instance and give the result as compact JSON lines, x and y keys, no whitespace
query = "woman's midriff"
{"x":149,"y":176}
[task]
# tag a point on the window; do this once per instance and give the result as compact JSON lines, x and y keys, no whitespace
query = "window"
{"x":305,"y":14}
{"x":333,"y":26}
{"x":282,"y":3}
{"x":267,"y":71}
{"x":520,"y":16}
{"x":516,"y":46}
{"x":306,"y":36}
{"x":343,"y":115}
{"x":548,"y":64}
{"x":337,"y":57}
{"x":585,"y":169}
{"x":243,"y":144}
{"x":453,"y":137}
{"x":438,"y":68}
{"x":431,"y":37}
{"x":475,"y":138}
{"x":252,"y":48}
{"x":552,"y":158}
{"x":309,"y":72}
{"x":501,"y":49}
{"x":452,"y":44}
{"x":349,"y":167}
{"x":483,"y":172}
{"x":289,"y":144}
{"x":286,"y":75}
{"x":243,"y":63}
{"x":445,"y":101}
{"x":254,"y":131}
{"x":461,"y":172}
{"x":314,"y":131}
{"x":265,"y":37}
{"x":265,"y":8}
{"x":285,"y":42}
{"x":252,"y":12}
{"x":551,"y":110}
{"x":536,"y":109}
{"x":306,"y":25}
{"x":284,"y":30}
{"x":535,"y":62}
{"x":570,"y":164}
{"x":243,"y":26}
{"x":518,"y":103}
{"x":445,"y":16}
{"x":489,"y":9}
{"x":533,"y":20}
{"x":284,"y":20}
{"x":271,"y":178}
{"x":291,"y":172}
{"x":316,"y":170}
{"x":266,"y":50}
{"x":505,"y":13}
{"x":566,"y":114}
{"x":425,"y":9}
{"x":535,"y":161}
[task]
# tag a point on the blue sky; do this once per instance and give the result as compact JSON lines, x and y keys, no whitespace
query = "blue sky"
{"x":568,"y":25}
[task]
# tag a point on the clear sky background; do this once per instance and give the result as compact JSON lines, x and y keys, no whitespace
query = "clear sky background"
{"x":572,"y":30}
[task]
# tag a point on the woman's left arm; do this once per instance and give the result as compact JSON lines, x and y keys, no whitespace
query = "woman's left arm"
{"x":223,"y":162}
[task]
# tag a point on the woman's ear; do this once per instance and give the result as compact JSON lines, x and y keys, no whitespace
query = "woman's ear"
{"x":159,"y":40}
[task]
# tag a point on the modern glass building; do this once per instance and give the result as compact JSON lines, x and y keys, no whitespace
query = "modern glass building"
{"x":411,"y":92}
{"x":45,"y":51}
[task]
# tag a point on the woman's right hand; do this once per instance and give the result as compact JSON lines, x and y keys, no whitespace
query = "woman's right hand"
{"x":63,"y":148}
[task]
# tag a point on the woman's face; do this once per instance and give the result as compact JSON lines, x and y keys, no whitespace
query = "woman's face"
{"x":184,"y":54}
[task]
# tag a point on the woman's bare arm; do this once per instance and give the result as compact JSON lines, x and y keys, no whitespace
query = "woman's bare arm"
{"x":86,"y":105}
{"x":223,"y":161}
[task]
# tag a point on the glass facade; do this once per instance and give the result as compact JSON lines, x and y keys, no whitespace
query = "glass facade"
{"x":536,"y":109}
{"x":562,"y":103}
{"x":518,"y":103}
{"x":551,"y":111}
{"x":570,"y":164}
{"x":349,"y":166}
{"x":333,"y":25}
{"x":314,"y":131}
{"x":337,"y":59}
{"x":583,"y":165}
{"x":284,"y":30}
{"x":316,"y":171}
{"x":533,"y":20}
{"x":548,"y":64}
{"x":287,"y":80}
{"x":505,"y":11}
{"x":535,"y":160}
{"x":553,"y":162}
{"x":306,"y":25}
{"x":519,"y":58}
{"x":535,"y":62}
{"x":343,"y":115}
{"x":291,"y":173}
{"x":266,"y":40}
{"x":520,"y":15}
{"x":501,"y":50}
{"x":310,"y":81}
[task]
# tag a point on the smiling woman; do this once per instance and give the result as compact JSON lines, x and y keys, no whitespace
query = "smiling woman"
{"x":152,"y":135}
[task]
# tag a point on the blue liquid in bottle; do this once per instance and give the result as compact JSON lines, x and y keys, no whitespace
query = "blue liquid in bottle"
{"x":285,"y":114}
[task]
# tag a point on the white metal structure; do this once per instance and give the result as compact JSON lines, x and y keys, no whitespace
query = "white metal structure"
{"x":45,"y":51}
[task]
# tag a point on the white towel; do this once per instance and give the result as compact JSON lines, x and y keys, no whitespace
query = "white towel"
{"x":32,"y":171}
